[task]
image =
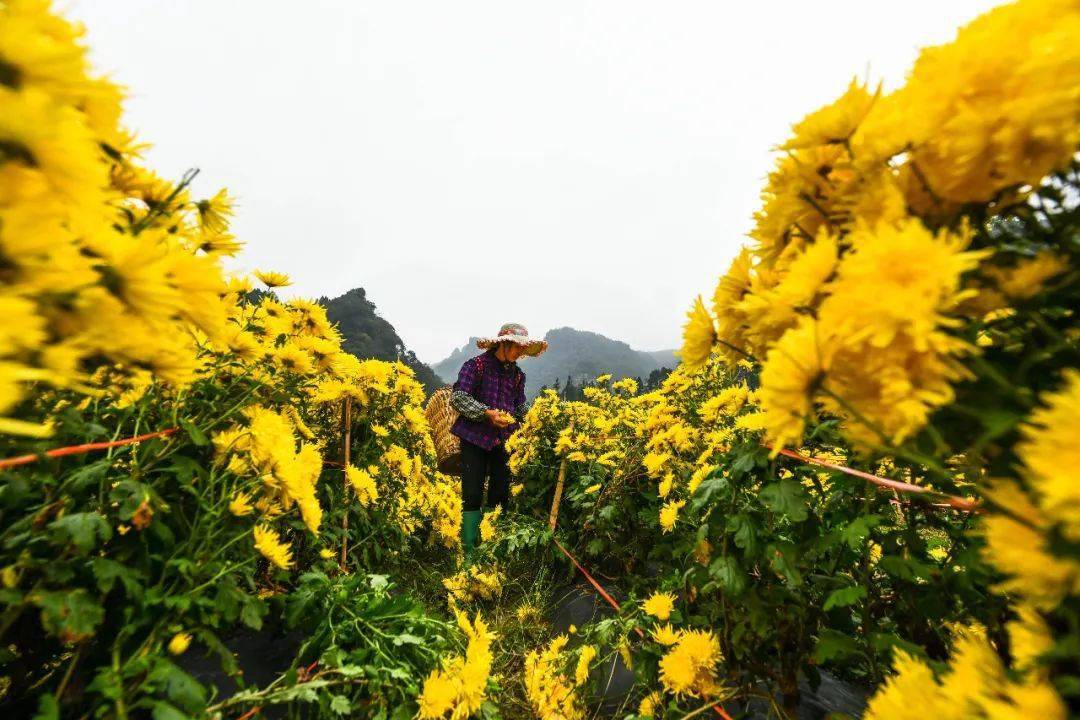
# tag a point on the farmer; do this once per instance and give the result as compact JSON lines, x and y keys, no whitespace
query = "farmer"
{"x":489,"y":396}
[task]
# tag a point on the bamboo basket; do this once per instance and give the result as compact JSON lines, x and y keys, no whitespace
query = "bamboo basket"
{"x":441,"y":417}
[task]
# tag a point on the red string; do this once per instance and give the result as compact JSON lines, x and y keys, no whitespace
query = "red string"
{"x":957,"y":503}
{"x":80,"y":449}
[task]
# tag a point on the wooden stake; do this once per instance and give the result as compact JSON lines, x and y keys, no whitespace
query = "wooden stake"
{"x":346,"y":415}
{"x":554,"y":517}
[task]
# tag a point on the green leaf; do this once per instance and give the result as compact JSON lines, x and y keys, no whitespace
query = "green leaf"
{"x":186,"y":469}
{"x":78,"y":480}
{"x":194,"y":432}
{"x":407,"y":639}
{"x":787,"y":498}
{"x":783,"y":558}
{"x":997,"y":422}
{"x":340,"y":704}
{"x":745,"y":533}
{"x":709,"y":486}
{"x":164,"y":711}
{"x":180,"y":688}
{"x":887,"y":641}
{"x":904,"y":568}
{"x":845,"y":596}
{"x":728,"y":575}
{"x":744,"y":463}
{"x":71,"y":615}
{"x":107,"y":572}
{"x":107,"y":684}
{"x":48,"y":708}
{"x":83,"y":530}
{"x":252,"y":613}
{"x":859,"y":528}
{"x":833,"y":645}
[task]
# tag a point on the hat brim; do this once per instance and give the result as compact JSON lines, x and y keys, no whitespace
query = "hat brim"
{"x":531,"y":347}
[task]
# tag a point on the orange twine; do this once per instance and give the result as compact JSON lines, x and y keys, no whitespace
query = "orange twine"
{"x":80,"y":449}
{"x":957,"y":503}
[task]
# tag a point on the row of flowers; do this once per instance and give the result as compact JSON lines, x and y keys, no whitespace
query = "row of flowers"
{"x":118,"y":319}
{"x":907,"y":308}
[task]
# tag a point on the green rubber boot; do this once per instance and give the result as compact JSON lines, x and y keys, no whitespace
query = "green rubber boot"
{"x":470,"y":530}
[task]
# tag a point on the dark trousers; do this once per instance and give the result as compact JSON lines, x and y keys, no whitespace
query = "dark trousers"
{"x":478,"y":464}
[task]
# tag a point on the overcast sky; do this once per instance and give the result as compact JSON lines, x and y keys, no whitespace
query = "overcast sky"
{"x":591,"y":164}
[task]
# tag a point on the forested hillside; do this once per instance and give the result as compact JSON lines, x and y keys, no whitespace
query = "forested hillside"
{"x":366,"y":335}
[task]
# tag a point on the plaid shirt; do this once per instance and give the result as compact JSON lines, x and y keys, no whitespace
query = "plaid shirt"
{"x":489,"y":383}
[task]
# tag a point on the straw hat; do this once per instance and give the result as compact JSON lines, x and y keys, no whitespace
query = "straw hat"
{"x":515,"y":333}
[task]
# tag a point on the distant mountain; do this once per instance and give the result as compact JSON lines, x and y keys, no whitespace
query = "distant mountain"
{"x":366,"y":335}
{"x":577,"y":354}
{"x":665,"y":358}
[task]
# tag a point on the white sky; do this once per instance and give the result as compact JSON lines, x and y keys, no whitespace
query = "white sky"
{"x":591,"y":164}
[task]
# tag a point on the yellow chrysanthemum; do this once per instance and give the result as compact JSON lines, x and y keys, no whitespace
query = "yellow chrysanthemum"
{"x":241,"y":505}
{"x":273,"y":279}
{"x":179,"y":643}
{"x":689,"y":667}
{"x":665,"y":635}
{"x":364,"y":485}
{"x":669,"y":514}
{"x":659,"y":605}
{"x":215,"y":212}
{"x":272,"y":548}
{"x":699,"y":336}
{"x":835,"y":123}
{"x":581,"y":670}
{"x":1050,"y":452}
{"x":487,"y":525}
{"x":648,"y":705}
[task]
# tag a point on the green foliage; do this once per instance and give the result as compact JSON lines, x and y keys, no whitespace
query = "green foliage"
{"x":367,"y":650}
{"x":792,"y":566}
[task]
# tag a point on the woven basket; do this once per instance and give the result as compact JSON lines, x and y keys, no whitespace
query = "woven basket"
{"x":440,"y":417}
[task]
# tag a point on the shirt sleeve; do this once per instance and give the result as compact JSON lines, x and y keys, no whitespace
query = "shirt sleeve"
{"x":467,"y":405}
{"x":463,"y":397}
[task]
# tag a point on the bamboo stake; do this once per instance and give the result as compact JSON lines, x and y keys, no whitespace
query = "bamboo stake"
{"x":554,"y":517}
{"x":346,"y":415}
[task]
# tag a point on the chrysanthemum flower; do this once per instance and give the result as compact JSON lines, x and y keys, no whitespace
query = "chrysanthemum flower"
{"x":689,"y":668}
{"x":665,"y":634}
{"x":581,"y":670}
{"x":179,"y":643}
{"x":272,"y":548}
{"x":1051,"y":453}
{"x":215,"y":212}
{"x":487,"y":525}
{"x":273,"y":279}
{"x":699,"y":336}
{"x":669,"y":514}
{"x":659,"y":605}
{"x":241,"y":505}
{"x":364,"y":485}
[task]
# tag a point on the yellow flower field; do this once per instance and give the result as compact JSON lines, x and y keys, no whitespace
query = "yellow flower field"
{"x":864,"y":465}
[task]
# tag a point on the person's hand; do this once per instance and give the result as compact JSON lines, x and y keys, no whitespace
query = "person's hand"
{"x":498,"y":418}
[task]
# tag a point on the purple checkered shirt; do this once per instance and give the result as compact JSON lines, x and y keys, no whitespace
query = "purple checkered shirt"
{"x":498,"y":386}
